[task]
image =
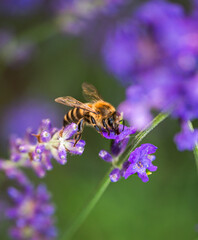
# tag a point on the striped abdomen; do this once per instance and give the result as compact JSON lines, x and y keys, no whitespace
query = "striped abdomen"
{"x":73,"y":116}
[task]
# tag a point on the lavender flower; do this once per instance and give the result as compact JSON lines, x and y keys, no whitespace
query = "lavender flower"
{"x":139,"y":161}
{"x":187,"y":138}
{"x":30,"y":209}
{"x":155,"y":52}
{"x":12,"y":172}
{"x":118,"y":145}
{"x":75,"y":16}
{"x":115,"y":175}
{"x":32,"y":214}
{"x":15,"y":53}
{"x":51,"y":143}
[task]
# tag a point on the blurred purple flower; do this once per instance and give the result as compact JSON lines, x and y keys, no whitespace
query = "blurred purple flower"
{"x":29,"y":208}
{"x":15,"y":53}
{"x":187,"y":138}
{"x":32,"y":214}
{"x":155,"y":52}
{"x":12,"y":172}
{"x":27,"y":114}
{"x":19,"y":7}
{"x":75,"y":16}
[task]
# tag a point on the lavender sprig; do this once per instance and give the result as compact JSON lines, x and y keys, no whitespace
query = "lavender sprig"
{"x":106,"y":180}
{"x":29,"y":209}
{"x":32,"y":214}
{"x":138,"y":162}
{"x":36,"y":150}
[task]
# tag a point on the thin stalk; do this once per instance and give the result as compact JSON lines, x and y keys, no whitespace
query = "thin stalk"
{"x":87,"y":209}
{"x":73,"y":228}
{"x":195,"y":150}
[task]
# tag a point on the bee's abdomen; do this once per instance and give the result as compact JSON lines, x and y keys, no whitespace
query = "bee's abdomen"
{"x":73,"y":116}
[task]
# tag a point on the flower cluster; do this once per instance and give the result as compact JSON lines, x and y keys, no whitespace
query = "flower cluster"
{"x":75,"y":16}
{"x":155,"y":52}
{"x":31,"y":212}
{"x":139,"y":161}
{"x":37,"y":150}
{"x":28,"y":208}
{"x":14,"y":52}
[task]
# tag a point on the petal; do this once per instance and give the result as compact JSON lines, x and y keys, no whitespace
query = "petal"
{"x":39,"y":148}
{"x":115,"y":175}
{"x":143,"y":177}
{"x":45,"y":136}
{"x":59,"y":154}
{"x":62,"y":154}
{"x":69,"y":131}
{"x":124,"y":133}
{"x":78,"y":149}
{"x":38,"y":167}
{"x":148,"y":148}
{"x":152,"y":168}
{"x":117,"y":148}
{"x":129,"y":171}
{"x":46,"y":125}
{"x":15,"y":194}
{"x":46,"y":160}
{"x":105,"y":156}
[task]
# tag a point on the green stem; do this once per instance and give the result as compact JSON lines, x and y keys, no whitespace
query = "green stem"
{"x":141,"y":135}
{"x":72,"y":229}
{"x":195,"y":151}
{"x":86,"y":211}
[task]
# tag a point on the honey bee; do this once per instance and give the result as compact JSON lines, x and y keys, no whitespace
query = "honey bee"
{"x":97,"y":112}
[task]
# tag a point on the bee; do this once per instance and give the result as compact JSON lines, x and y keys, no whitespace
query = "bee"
{"x":96,"y":112}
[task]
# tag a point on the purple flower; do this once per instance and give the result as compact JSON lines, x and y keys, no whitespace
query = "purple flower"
{"x":50,"y":143}
{"x":155,"y":53}
{"x":12,"y":172}
{"x":105,"y":156}
{"x":119,"y":143}
{"x":115,"y":175}
{"x":124,"y":132}
{"x":29,"y":209}
{"x":76,"y":16}
{"x":187,"y":138}
{"x":139,"y":161}
{"x":32,"y":214}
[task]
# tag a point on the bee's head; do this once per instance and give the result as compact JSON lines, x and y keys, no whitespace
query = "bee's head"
{"x":114,"y":122}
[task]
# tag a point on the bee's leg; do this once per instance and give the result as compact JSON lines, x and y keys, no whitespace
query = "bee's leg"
{"x":97,"y":128}
{"x":64,"y":122}
{"x":93,"y":121}
{"x":64,"y":125}
{"x":78,"y":135}
{"x":105,"y":126}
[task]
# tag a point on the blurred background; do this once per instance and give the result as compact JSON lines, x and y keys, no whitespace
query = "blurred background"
{"x":41,"y":59}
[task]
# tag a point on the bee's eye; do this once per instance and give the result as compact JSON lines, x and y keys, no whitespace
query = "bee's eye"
{"x":110,"y":121}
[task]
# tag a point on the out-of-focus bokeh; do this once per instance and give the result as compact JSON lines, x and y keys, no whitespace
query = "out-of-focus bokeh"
{"x":41,"y":59}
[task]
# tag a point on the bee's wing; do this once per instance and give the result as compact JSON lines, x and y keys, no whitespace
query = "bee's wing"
{"x":90,"y":93}
{"x":72,"y":102}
